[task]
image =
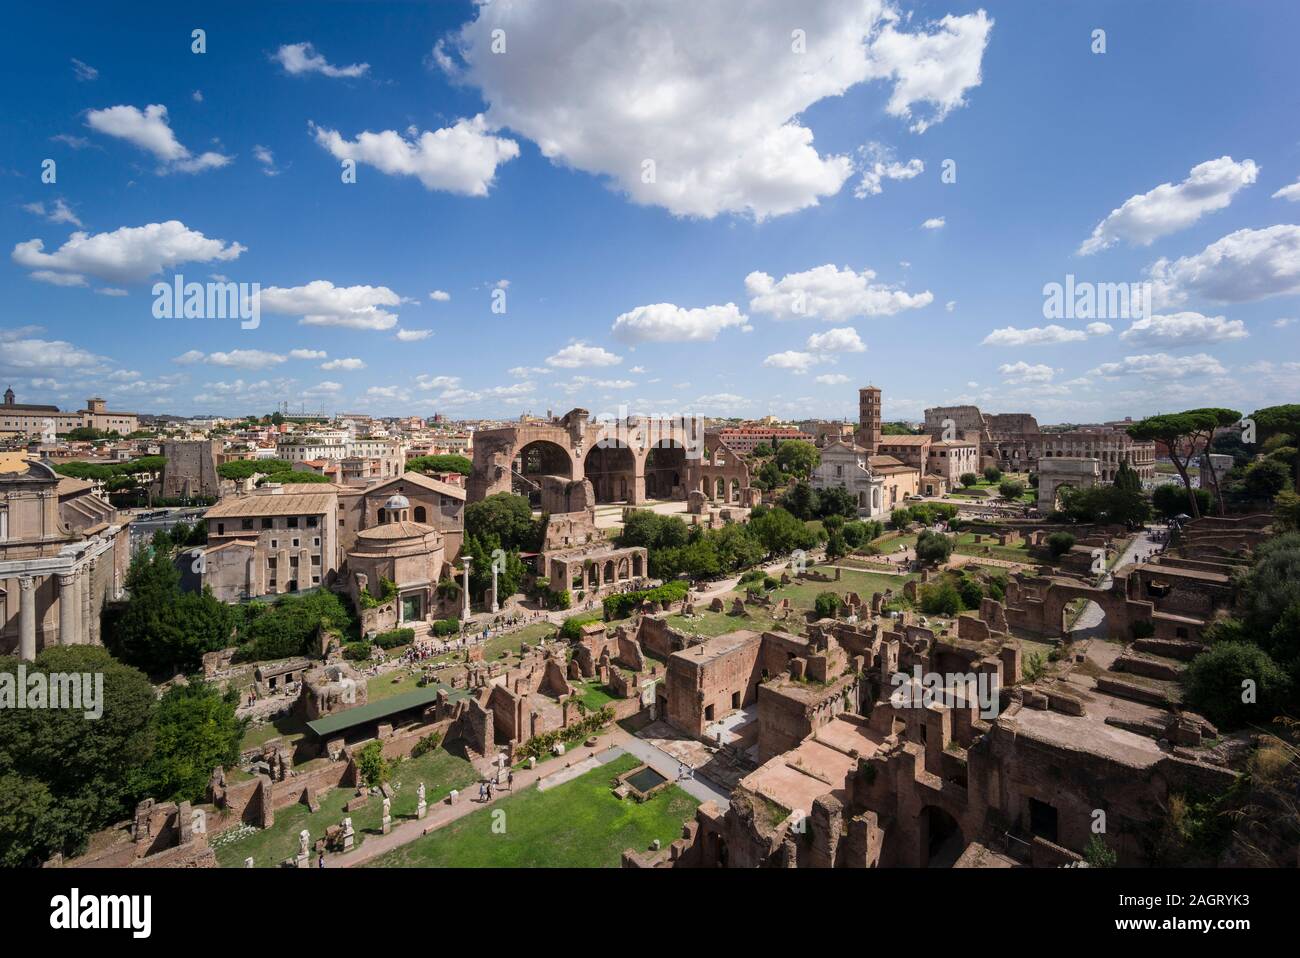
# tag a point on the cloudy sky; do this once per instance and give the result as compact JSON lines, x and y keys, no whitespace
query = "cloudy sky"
{"x":733,"y":208}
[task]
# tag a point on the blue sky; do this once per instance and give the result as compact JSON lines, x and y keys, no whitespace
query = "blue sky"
{"x":797,"y":239}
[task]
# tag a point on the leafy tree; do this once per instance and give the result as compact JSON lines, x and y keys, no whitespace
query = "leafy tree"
{"x":440,"y":463}
{"x":780,"y":532}
{"x":1185,"y":435}
{"x":836,"y":501}
{"x":373,"y":768}
{"x":940,"y":598}
{"x":507,"y":518}
{"x":1059,"y":543}
{"x":933,"y":547}
{"x":62,"y":776}
{"x":1270,"y":600}
{"x":826,"y":605}
{"x":1127,"y":479}
{"x":769,"y":476}
{"x":1110,"y":504}
{"x":761,"y":451}
{"x":1264,"y":479}
{"x":1169,"y":501}
{"x":801,"y":501}
{"x":195,"y":731}
{"x":1273,"y":421}
{"x":858,"y":533}
{"x":836,"y":546}
{"x":900,"y":518}
{"x":1287,"y":509}
{"x":969,"y":479}
{"x":1214,"y":681}
{"x":992,"y":474}
{"x":1011,"y":489}
{"x":968,"y":587}
{"x":161,"y":629}
{"x":797,"y":458}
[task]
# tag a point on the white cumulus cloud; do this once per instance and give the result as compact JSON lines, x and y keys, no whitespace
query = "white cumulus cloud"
{"x":714,"y":125}
{"x":666,"y":323}
{"x":828,"y":293}
{"x":321,"y":303}
{"x":1146,"y":217}
{"x":149,"y":130}
{"x":462,"y":158}
{"x":128,"y":254}
{"x":299,"y":58}
{"x":1180,"y":329}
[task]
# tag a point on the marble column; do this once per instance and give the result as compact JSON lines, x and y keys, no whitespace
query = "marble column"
{"x":69,"y":602}
{"x":83,"y":589}
{"x":27,"y":618}
{"x":464,"y":608}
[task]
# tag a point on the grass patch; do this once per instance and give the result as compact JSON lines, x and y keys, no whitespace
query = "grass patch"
{"x":579,"y":824}
{"x":288,"y":727}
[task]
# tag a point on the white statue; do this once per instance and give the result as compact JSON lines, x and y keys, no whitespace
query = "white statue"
{"x":304,"y":839}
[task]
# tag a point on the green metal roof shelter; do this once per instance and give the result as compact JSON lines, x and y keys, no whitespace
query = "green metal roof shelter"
{"x":332,"y":725}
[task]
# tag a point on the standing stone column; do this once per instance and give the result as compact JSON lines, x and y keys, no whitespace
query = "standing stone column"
{"x":68,"y":607}
{"x":27,"y":618}
{"x":83,"y":589}
{"x":464,"y":607}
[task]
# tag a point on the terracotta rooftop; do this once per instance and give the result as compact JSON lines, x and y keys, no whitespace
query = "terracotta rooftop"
{"x":284,"y":504}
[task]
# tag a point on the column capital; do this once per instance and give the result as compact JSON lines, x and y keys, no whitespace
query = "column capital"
{"x":26,"y":583}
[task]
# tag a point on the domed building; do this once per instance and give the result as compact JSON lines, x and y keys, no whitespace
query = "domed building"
{"x":409,"y":554}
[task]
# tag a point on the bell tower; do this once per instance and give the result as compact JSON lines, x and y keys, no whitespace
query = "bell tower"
{"x":868,"y":434}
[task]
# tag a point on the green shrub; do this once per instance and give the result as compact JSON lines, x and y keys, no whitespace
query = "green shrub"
{"x":625,"y":603}
{"x":1215,"y":683}
{"x":826,"y":605}
{"x":1059,"y":543}
{"x":446,"y":626}
{"x":940,"y":598}
{"x":426,"y":744}
{"x":394,"y":637}
{"x":357,"y":651}
{"x":571,"y":630}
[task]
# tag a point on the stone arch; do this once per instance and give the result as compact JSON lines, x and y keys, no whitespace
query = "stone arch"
{"x":611,"y":468}
{"x":720,"y":489}
{"x":665,"y":469}
{"x":420,"y":514}
{"x":734,"y":495}
{"x":940,"y":839}
{"x":608,"y":571}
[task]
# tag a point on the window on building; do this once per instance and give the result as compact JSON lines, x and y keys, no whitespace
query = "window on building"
{"x":292,"y":522}
{"x":268,"y":523}
{"x":312,"y":522}
{"x":246,"y":524}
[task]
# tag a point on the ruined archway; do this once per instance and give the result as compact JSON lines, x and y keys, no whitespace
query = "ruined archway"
{"x":611,"y":468}
{"x":535,"y":460}
{"x":665,"y":469}
{"x":941,"y":840}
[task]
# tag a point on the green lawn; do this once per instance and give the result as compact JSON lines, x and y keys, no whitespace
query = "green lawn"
{"x":579,"y":824}
{"x":593,"y":695}
{"x":382,"y":686}
{"x":804,"y":594}
{"x":440,"y":770}
{"x":966,"y":545}
{"x":288,"y":727}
